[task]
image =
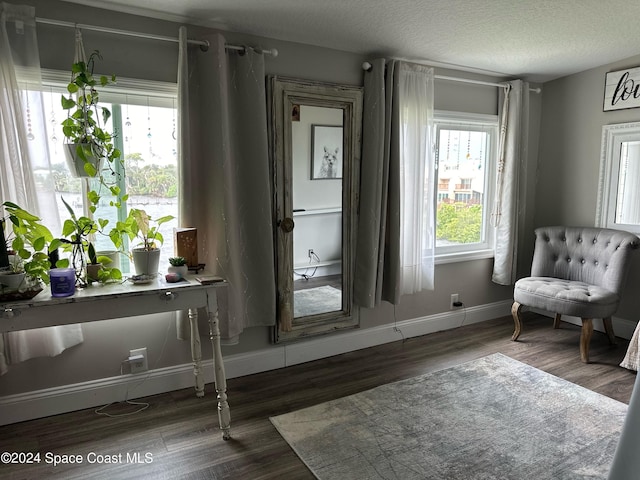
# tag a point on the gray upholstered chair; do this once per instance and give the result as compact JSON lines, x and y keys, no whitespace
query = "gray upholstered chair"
{"x":576,"y":271}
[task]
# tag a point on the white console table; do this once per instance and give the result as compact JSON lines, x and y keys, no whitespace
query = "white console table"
{"x":103,"y":302}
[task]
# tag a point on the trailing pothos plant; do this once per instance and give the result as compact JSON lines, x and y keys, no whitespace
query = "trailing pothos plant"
{"x":32,"y":242}
{"x":82,"y":126}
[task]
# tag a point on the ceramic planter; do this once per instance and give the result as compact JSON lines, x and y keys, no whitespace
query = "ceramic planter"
{"x":182,"y":270}
{"x":76,"y":164}
{"x":12,"y":280}
{"x":146,"y":262}
{"x":92,"y":271}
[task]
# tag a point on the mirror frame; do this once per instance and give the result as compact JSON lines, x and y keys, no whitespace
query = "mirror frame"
{"x":612,"y":138}
{"x":284,"y":92}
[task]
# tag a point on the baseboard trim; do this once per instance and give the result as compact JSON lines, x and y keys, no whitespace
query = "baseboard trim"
{"x":67,"y":398}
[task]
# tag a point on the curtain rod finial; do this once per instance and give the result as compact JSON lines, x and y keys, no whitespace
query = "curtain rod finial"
{"x":274,"y":52}
{"x":366,"y":66}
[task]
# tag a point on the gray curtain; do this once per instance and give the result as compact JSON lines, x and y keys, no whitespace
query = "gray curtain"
{"x":509,"y":204}
{"x":224,"y":177}
{"x":371,"y":284}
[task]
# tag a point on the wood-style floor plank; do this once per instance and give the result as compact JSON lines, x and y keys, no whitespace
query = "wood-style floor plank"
{"x":181,"y":431}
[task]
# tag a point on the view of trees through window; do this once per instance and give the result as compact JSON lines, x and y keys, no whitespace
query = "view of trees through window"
{"x":146,"y":134}
{"x":462,"y":153}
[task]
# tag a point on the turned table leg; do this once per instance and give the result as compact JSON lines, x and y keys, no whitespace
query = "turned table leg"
{"x":224,"y":414}
{"x":196,"y":352}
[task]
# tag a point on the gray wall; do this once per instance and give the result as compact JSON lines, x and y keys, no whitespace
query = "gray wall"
{"x":107,"y":343}
{"x":569,"y":161}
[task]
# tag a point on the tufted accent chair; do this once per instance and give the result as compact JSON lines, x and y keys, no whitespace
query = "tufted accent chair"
{"x":577,"y":271}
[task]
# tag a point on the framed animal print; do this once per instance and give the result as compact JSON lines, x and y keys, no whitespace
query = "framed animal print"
{"x":326,"y":152}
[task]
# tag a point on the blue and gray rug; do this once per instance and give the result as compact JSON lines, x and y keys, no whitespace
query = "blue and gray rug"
{"x":492,"y":418}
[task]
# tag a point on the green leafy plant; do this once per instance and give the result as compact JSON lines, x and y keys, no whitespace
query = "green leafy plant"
{"x":141,"y":227}
{"x":78,"y":231}
{"x":177,"y":261}
{"x":82,"y":125}
{"x":32,"y":242}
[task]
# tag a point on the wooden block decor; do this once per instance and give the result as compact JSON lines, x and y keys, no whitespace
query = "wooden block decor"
{"x":186,"y":245}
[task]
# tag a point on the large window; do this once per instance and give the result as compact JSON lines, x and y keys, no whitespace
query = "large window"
{"x":465,"y":155}
{"x":144,"y":123}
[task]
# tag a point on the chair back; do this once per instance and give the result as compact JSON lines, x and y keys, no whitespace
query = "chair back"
{"x":597,"y":256}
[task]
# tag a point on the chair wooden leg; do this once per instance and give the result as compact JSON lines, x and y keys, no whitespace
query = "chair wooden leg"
{"x":585,"y":338}
{"x":556,"y":320}
{"x":517,"y":320}
{"x":608,"y":328}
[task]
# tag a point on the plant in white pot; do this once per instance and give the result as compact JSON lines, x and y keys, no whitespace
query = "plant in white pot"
{"x":32,"y":243}
{"x":140,"y":227}
{"x":179,"y":266}
{"x":87,"y":143}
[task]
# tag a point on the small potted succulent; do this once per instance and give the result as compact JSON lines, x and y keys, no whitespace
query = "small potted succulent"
{"x":179,"y":266}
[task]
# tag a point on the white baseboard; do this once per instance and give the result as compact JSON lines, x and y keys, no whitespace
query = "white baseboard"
{"x":67,"y":398}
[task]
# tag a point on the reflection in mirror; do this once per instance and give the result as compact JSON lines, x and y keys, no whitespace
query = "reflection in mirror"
{"x":316,"y":134}
{"x":317,"y":147}
{"x":628,"y":198}
{"x":619,"y":187}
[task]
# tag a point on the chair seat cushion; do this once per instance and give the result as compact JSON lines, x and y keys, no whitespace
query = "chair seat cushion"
{"x":567,"y":297}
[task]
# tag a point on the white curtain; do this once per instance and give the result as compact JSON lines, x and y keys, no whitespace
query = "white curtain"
{"x":396,"y":226}
{"x":417,"y":183}
{"x":509,"y":203}
{"x":225,"y":179}
{"x":25,"y":174}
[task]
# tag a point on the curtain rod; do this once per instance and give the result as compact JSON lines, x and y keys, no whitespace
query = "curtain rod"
{"x":204,"y":44}
{"x":367,"y":67}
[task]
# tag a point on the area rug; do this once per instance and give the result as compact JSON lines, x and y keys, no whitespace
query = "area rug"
{"x":492,"y":418}
{"x":312,"y":301}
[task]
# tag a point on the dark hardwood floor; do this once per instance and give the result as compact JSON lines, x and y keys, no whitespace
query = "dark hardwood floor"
{"x":180,"y":431}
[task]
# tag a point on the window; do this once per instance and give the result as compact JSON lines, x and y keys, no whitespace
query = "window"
{"x":465,"y":155}
{"x":144,"y":123}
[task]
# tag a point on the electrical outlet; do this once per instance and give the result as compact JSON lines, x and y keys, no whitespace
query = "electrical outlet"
{"x":310,"y":253}
{"x":454,"y":301}
{"x":138,"y":360}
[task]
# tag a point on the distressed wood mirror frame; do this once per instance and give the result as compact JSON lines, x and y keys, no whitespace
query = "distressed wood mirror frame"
{"x":286,"y":97}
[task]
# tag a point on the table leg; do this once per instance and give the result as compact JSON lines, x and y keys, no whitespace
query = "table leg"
{"x":224,"y":415}
{"x":196,"y":352}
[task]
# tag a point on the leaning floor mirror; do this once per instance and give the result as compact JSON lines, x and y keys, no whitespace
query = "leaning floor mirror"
{"x":315,"y":142}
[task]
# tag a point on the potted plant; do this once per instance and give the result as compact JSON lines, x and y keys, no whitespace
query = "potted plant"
{"x":141,"y":227}
{"x":32,"y":243}
{"x":98,"y":269}
{"x":179,"y":266}
{"x":88,"y":144}
{"x":79,"y":231}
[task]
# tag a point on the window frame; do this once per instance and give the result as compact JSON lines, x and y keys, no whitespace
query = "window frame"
{"x":475,"y":122}
{"x":126,"y":91}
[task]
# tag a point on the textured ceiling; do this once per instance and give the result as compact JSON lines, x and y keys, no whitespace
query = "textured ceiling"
{"x":537,"y":39}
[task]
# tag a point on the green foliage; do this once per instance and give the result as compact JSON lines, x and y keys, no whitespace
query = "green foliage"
{"x":32,"y":241}
{"x":459,"y":222}
{"x":177,"y":261}
{"x":138,"y":225}
{"x":82,"y":125}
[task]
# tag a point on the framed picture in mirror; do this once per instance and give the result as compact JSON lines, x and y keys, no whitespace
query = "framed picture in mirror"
{"x":326,"y":152}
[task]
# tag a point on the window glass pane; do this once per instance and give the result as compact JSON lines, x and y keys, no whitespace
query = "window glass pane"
{"x":145,"y":132}
{"x":462,"y":165}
